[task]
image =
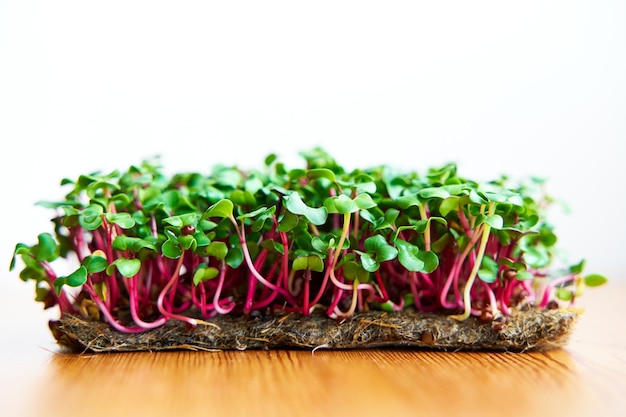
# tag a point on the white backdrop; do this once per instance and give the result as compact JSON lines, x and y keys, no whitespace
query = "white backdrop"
{"x":522,"y":88}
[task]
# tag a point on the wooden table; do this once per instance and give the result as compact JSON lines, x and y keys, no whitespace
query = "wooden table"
{"x":587,"y":378}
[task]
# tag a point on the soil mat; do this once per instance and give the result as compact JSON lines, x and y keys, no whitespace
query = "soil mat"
{"x":524,"y":330}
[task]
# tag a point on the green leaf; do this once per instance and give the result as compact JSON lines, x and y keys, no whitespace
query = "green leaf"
{"x":94,"y":264}
{"x":495,"y":221}
{"x":123,"y":220}
{"x":382,"y":250}
{"x":262,"y":215}
{"x":294,"y":203}
{"x":478,"y":197}
{"x":310,"y":262}
{"x":75,"y":279}
{"x":297,"y":174}
{"x":391,"y":215}
{"x":564,"y":294}
{"x":529,"y":221}
{"x":287,"y":222}
{"x":408,"y":256}
{"x":456,"y":189}
{"x":228,"y":177}
{"x":201,"y":239}
{"x":449,"y":205}
{"x":302,"y":240}
{"x":126,"y":267}
{"x":420,"y":226}
{"x":181,"y":220}
{"x":242,"y":197}
{"x":430,"y":259}
{"x":368,"y":187}
{"x":47,"y":249}
{"x":270,"y":159}
{"x":395,"y":183}
{"x":488,"y":271}
{"x":320,"y":244}
{"x":439,"y":245}
{"x":595,"y":280}
{"x":368,"y":262}
{"x":352,"y":270}
{"x":341,"y":204}
{"x":433,"y":192}
{"x":443,"y":174}
{"x":204,"y":273}
{"x":20,"y":249}
{"x":387,"y":306}
{"x":516,"y":200}
{"x":522,"y":275}
{"x":536,"y":256}
{"x":41,"y":293}
{"x":274,"y":246}
{"x":578,"y":268}
{"x":547,"y":236}
{"x":252,"y":185}
{"x":218,"y":250}
{"x":58,"y":285}
{"x":132,"y":244}
{"x":223,"y":208}
{"x":35,"y":273}
{"x":369,"y":216}
{"x":364,"y":201}
{"x":234,"y":258}
{"x":406,"y":201}
{"x":321,"y":173}
{"x":171,"y":249}
{"x":187,"y":242}
{"x":91,"y":217}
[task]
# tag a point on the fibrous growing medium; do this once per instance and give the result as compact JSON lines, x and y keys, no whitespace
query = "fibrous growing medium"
{"x":277,"y":245}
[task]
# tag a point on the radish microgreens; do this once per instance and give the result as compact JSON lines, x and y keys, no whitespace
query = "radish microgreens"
{"x":151,"y":248}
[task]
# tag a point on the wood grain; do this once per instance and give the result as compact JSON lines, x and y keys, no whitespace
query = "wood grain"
{"x":588,"y":377}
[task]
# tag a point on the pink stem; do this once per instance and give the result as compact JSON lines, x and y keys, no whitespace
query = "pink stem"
{"x":551,"y":285}
{"x":107,"y":313}
{"x":256,"y":274}
{"x":162,"y":295}
{"x":216,"y":297}
{"x":134,"y":304}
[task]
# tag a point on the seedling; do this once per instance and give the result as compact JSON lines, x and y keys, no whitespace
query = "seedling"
{"x":150,"y":249}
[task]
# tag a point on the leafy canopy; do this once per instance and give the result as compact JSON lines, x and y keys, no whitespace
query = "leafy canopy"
{"x":292,"y":239}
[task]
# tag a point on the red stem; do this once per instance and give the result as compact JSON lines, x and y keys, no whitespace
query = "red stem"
{"x":216,"y":297}
{"x":163,"y":294}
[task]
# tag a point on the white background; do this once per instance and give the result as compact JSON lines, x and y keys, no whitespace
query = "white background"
{"x":499,"y":87}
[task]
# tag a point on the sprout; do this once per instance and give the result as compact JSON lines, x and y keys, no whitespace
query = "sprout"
{"x":150,"y":248}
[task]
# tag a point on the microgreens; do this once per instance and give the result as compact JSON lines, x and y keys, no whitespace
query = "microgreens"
{"x":151,"y":248}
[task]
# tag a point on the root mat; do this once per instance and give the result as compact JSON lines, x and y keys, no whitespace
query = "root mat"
{"x":522,"y":331}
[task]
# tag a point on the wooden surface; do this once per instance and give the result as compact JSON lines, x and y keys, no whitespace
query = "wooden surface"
{"x":587,"y":378}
